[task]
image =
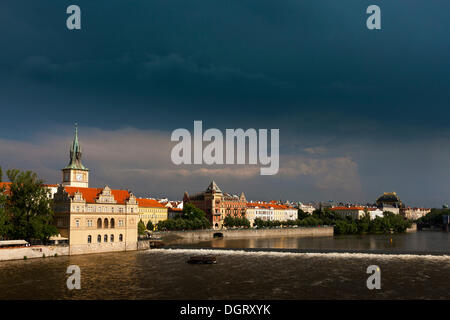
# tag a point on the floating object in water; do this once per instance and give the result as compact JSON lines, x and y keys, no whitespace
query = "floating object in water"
{"x":202,"y":260}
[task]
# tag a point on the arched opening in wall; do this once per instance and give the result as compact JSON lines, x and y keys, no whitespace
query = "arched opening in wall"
{"x":113,"y":223}
{"x":120,"y":237}
{"x":216,"y":225}
{"x":89,"y":239}
{"x":99,"y":238}
{"x":99,"y":223}
{"x":105,"y":238}
{"x":218,"y":235}
{"x":105,"y":223}
{"x":112,"y":238}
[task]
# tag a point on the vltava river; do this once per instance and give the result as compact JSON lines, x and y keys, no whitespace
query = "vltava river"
{"x":164,"y":273}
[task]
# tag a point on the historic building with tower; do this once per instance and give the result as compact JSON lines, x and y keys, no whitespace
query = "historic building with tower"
{"x":93,"y":219}
{"x":217,"y":205}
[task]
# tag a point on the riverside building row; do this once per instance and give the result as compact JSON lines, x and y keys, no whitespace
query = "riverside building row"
{"x":217,"y":205}
{"x":104,"y":219}
{"x":387,"y":202}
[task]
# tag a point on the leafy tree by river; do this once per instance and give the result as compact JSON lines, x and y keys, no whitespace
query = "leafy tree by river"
{"x":389,"y":223}
{"x":231,"y":222}
{"x":301,"y":214}
{"x":26,"y":209}
{"x":344,"y":225}
{"x":434,"y":217}
{"x":141,"y":228}
{"x":192,"y":218}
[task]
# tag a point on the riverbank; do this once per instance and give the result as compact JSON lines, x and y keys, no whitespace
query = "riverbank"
{"x":33,"y":252}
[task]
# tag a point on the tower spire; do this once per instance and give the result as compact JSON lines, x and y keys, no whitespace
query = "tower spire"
{"x":75,"y":153}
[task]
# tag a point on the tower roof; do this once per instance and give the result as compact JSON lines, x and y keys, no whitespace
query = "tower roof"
{"x":75,"y":154}
{"x":213,"y":187}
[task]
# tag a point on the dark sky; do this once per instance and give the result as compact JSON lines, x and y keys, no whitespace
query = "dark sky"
{"x":360,"y":112}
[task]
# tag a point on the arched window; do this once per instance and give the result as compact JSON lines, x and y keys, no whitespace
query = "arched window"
{"x":99,"y":238}
{"x":113,"y":223}
{"x":112,"y":238}
{"x":120,"y":237}
{"x":99,"y":223}
{"x":105,"y":223}
{"x":105,"y":238}
{"x":89,"y":239}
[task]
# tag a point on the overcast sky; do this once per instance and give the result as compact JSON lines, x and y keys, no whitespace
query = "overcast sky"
{"x":360,"y":112}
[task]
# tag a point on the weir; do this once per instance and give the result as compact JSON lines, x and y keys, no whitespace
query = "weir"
{"x":173,"y":236}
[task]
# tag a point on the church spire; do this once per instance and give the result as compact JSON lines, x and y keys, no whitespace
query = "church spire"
{"x":75,"y":153}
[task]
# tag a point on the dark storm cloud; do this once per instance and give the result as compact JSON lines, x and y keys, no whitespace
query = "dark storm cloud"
{"x":337,"y":91}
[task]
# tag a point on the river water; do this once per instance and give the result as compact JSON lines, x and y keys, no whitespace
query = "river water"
{"x":406,"y":272}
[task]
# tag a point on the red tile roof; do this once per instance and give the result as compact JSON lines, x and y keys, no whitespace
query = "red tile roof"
{"x":91,"y":194}
{"x":149,"y":203}
{"x":268,"y":205}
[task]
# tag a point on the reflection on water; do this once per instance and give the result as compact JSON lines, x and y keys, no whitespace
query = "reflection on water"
{"x":164,"y":273}
{"x":429,"y":242}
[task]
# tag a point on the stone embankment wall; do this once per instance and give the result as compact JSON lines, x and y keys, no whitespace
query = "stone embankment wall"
{"x":33,"y":252}
{"x":102,"y":247}
{"x":245,"y":233}
{"x":413,"y":228}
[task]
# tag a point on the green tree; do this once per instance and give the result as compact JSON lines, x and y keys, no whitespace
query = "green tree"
{"x":28,"y":208}
{"x":301,"y":214}
{"x":150,"y":225}
{"x":141,"y":228}
{"x":4,"y":226}
{"x":1,"y":174}
{"x":191,"y":212}
{"x":229,"y":221}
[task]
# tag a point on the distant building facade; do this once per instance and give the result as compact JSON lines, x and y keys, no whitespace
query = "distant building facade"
{"x":307,"y":208}
{"x":354,"y":212}
{"x":217,"y":205}
{"x":152,"y":210}
{"x":375,"y":213}
{"x":270,"y":211}
{"x":96,"y":219}
{"x":414,"y":213}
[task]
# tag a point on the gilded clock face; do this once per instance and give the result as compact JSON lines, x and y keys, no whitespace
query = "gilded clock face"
{"x":79,"y":177}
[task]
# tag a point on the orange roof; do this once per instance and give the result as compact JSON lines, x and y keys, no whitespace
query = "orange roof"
{"x":91,"y":194}
{"x":267,"y":205}
{"x":4,"y":184}
{"x":149,"y":203}
{"x":7,"y":184}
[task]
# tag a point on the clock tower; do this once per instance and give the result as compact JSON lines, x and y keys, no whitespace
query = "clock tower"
{"x":75,"y":174}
